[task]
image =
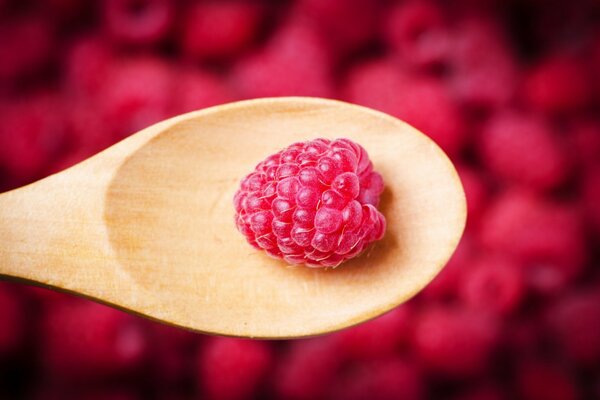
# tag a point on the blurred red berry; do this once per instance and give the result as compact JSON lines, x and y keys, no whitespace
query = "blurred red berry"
{"x":294,"y":63}
{"x":454,"y":341}
{"x":32,"y":133}
{"x":12,"y":322}
{"x":584,"y":142}
{"x":387,"y":379}
{"x":557,"y":84}
{"x":482,"y":69}
{"x":523,"y":149}
{"x":86,"y":65}
{"x":540,"y":380}
{"x":135,"y":94}
{"x":546,"y":237}
{"x":347,"y":25}
{"x":307,"y":370}
{"x":417,"y":31}
{"x":591,"y":198}
{"x":139,"y":22}
{"x":476,"y":190}
{"x":232,"y":369}
{"x":26,"y":46}
{"x":197,"y":89}
{"x":219,"y":28}
{"x":482,"y":392}
{"x":492,"y":283}
{"x":574,"y":320}
{"x":384,"y":86}
{"x":376,"y":338}
{"x":85,"y":340}
{"x":445,"y":285}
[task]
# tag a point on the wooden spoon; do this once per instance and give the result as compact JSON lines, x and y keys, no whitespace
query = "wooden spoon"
{"x":147,"y":224}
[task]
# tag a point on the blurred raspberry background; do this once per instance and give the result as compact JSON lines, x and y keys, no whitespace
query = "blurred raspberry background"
{"x":509,"y":88}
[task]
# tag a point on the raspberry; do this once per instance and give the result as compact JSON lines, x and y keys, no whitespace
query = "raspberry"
{"x":476,"y":190}
{"x":492,"y":283}
{"x":584,"y":142}
{"x":12,"y":321}
{"x":219,"y":28}
{"x":138,"y":21}
{"x":574,"y":321}
{"x":84,"y":340}
{"x":591,"y":197}
{"x":171,"y":348}
{"x":523,"y":149}
{"x":558,"y":84}
{"x":444,"y":285}
{"x":196,"y":89}
{"x":539,"y":380}
{"x":384,"y":86}
{"x":388,"y":379}
{"x":348,"y":25}
{"x":31,"y":134}
{"x":482,"y":71}
{"x":135,"y":94}
{"x":482,"y":392}
{"x":232,"y":369}
{"x":313,"y":203}
{"x":416,"y":30}
{"x":546,"y":237}
{"x":86,"y":65}
{"x":378,"y":337}
{"x":454,"y":341}
{"x":26,"y":45}
{"x":295,"y":62}
{"x":307,"y":369}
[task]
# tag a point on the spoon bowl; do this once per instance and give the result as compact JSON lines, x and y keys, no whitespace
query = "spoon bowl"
{"x":147,"y":224}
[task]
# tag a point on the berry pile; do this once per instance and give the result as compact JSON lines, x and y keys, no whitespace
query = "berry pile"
{"x":509,"y":89}
{"x":312,"y":203}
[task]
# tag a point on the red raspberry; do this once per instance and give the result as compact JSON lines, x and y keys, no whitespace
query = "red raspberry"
{"x":135,"y":94}
{"x":384,"y":86}
{"x":11,"y":320}
{"x":296,"y":62}
{"x":346,"y":24}
{"x":196,"y":89}
{"x":31,"y":134}
{"x":584,"y":142}
{"x":313,"y":203}
{"x":416,"y":30}
{"x":523,"y":149}
{"x":574,"y":321}
{"x":86,"y":65}
{"x":544,"y":236}
{"x":482,"y":69}
{"x":378,"y":337}
{"x":591,"y":197}
{"x":539,"y":380}
{"x":219,"y":28}
{"x":492,"y":283}
{"x":445,"y":285}
{"x":171,"y":349}
{"x":85,"y":340}
{"x":558,"y":84}
{"x":482,"y":392}
{"x":231,"y":369}
{"x":389,"y":379}
{"x":138,"y":21}
{"x":455,"y":341}
{"x":476,"y":190}
{"x":307,"y":370}
{"x":26,"y":45}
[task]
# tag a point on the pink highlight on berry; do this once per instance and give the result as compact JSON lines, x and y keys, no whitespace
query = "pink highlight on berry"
{"x":312,"y":203}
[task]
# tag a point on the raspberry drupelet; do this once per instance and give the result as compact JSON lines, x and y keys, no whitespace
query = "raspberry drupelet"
{"x":313,"y":203}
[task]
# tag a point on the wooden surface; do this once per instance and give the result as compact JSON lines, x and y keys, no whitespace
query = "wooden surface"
{"x":147,"y":225}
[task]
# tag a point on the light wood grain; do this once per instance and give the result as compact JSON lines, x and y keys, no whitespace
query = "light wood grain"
{"x":147,"y":225}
